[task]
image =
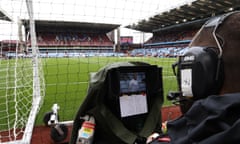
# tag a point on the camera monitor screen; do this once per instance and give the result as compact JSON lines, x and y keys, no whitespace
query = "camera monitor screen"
{"x":131,"y":92}
{"x":132,"y":97}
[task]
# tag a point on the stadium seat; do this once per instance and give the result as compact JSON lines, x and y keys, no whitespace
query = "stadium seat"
{"x":108,"y":92}
{"x":73,"y":39}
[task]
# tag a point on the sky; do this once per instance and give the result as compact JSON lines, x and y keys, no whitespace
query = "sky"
{"x":123,"y":12}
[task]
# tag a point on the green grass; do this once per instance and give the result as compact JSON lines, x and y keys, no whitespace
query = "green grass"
{"x":15,"y":73}
{"x":66,"y":81}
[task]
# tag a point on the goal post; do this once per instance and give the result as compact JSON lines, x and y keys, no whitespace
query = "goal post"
{"x":22,"y":86}
{"x":38,"y":87}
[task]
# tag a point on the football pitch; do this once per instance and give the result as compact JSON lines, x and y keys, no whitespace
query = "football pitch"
{"x":67,"y":79}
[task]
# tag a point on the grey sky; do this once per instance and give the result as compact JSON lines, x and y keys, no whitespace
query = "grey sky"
{"x":122,"y":12}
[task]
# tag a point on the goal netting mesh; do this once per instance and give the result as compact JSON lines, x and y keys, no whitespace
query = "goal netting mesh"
{"x":49,"y":48}
{"x":21,"y":76}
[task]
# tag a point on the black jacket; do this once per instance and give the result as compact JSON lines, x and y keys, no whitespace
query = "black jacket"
{"x":214,"y":120}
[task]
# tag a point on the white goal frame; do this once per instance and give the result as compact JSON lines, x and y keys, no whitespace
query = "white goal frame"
{"x":38,"y":89}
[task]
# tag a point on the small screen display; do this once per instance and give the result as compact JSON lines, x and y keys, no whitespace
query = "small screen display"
{"x":186,"y":82}
{"x":133,"y":97}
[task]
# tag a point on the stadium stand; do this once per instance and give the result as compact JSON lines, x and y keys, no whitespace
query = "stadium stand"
{"x":9,"y":47}
{"x":168,"y":44}
{"x":159,"y":52}
{"x":172,"y":36}
{"x":73,"y":39}
{"x":177,"y":26}
{"x":61,"y":38}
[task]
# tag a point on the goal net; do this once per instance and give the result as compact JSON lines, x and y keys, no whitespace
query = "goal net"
{"x":49,"y":48}
{"x":21,"y":76}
